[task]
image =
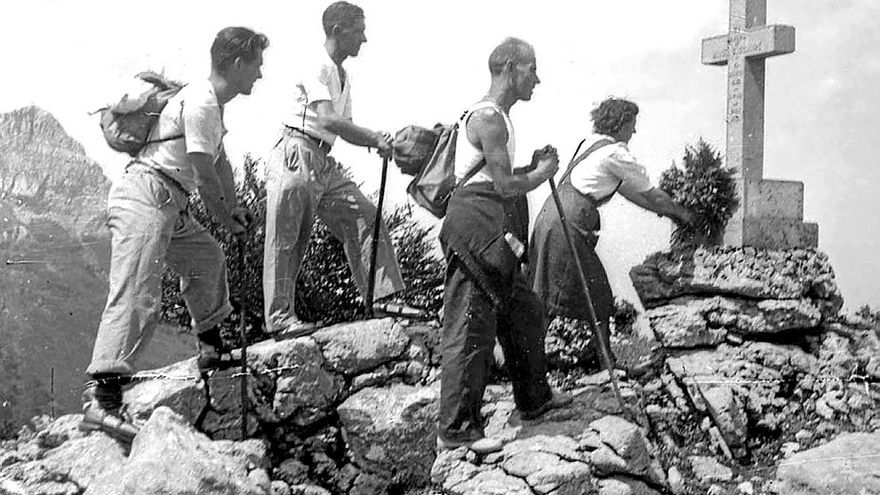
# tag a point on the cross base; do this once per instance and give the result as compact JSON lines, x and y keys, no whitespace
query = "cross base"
{"x":772,"y":233}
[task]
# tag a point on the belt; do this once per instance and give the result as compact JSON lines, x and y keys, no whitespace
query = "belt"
{"x":323,"y":145}
{"x":158,"y":173}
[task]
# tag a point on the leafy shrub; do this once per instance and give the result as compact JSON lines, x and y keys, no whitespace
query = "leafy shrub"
{"x":325,"y":288}
{"x":706,"y":188}
{"x":569,"y":342}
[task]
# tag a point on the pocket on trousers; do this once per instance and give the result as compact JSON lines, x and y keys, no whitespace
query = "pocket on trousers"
{"x":499,"y":262}
{"x":298,"y":158}
{"x":159,"y":191}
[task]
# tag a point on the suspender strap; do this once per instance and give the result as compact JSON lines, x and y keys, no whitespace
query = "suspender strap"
{"x":575,"y":159}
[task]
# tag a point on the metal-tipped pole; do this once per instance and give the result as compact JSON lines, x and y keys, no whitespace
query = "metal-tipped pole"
{"x":604,"y":353}
{"x":374,"y":251}
{"x":242,"y":335}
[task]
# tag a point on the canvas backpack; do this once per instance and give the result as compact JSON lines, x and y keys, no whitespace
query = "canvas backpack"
{"x":429,"y":155}
{"x":127,"y":124}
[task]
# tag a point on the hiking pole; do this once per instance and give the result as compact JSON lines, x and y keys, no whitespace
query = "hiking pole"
{"x":243,"y":338}
{"x":604,"y":352}
{"x":374,"y":251}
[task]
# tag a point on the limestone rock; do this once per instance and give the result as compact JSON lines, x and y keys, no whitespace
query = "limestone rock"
{"x":690,"y":322}
{"x":735,"y":271}
{"x":676,"y":481}
{"x":168,"y":456}
{"x":624,"y":486}
{"x":279,"y":488}
{"x":451,"y":469}
{"x":352,"y":348}
{"x":290,"y":381}
{"x":708,"y":470}
{"x":728,"y":413}
{"x":222,"y":420}
{"x":845,"y":465}
{"x":546,"y":472}
{"x":683,"y":326}
{"x":624,"y":450}
{"x":392,"y":430}
{"x":252,"y":453}
{"x":755,"y":371}
{"x":494,"y":482}
{"x":64,"y":469}
{"x":562,"y":478}
{"x":178,"y":386}
{"x":292,"y":471}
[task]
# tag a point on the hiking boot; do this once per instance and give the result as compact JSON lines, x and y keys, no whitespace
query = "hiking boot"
{"x":479,"y":446}
{"x":103,"y":406}
{"x":558,"y":400}
{"x":213,"y":352}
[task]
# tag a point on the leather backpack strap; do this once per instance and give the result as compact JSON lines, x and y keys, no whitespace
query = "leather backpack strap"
{"x":482,"y":163}
{"x":575,"y":159}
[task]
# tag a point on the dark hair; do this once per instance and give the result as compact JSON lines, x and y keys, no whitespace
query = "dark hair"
{"x":612,"y":114}
{"x":512,"y":50}
{"x":342,"y":14}
{"x":234,"y":42}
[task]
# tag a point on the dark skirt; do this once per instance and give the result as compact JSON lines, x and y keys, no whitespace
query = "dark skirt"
{"x":554,"y":274}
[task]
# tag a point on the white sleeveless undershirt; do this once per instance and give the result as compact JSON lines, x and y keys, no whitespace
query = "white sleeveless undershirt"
{"x":467,"y":155}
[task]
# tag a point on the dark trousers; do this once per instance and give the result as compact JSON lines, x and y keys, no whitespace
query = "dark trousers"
{"x":470,"y":325}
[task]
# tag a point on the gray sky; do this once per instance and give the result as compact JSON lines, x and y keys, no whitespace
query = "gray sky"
{"x":425,"y":62}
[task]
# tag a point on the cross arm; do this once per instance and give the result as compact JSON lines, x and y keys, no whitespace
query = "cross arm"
{"x":766,"y":41}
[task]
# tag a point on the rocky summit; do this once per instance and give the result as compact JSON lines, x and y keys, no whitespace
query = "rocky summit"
{"x":748,"y":390}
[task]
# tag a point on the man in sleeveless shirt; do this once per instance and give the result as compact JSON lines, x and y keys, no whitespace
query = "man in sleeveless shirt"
{"x":305,"y":182}
{"x":150,"y":226}
{"x":486,"y":293}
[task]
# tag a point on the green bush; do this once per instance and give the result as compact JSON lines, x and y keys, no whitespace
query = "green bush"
{"x":325,"y":288}
{"x":706,"y":188}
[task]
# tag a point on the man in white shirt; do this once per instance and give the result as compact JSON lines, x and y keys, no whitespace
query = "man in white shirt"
{"x":305,"y":182}
{"x":150,"y":226}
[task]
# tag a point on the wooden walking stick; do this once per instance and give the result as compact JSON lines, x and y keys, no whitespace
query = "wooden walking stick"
{"x":604,"y":352}
{"x":243,"y":338}
{"x":374,"y":250}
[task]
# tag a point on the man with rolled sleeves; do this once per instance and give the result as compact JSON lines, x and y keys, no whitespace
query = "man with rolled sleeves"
{"x":305,"y":182}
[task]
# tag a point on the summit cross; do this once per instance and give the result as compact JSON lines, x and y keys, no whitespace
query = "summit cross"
{"x":771,"y":211}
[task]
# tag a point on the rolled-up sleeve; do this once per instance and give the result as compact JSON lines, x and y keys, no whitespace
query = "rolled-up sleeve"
{"x":314,"y":86}
{"x":623,"y":165}
{"x":203,"y":126}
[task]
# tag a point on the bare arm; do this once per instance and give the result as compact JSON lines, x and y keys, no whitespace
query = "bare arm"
{"x":657,"y":201}
{"x":227,"y":179}
{"x":487,"y":131}
{"x":213,"y":191}
{"x":348,"y":130}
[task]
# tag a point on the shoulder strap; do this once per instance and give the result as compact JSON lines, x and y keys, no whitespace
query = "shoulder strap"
{"x":575,"y":159}
{"x":482,"y":163}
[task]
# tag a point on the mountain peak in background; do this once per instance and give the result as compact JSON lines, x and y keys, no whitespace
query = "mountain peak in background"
{"x":54,"y":260}
{"x":40,"y":164}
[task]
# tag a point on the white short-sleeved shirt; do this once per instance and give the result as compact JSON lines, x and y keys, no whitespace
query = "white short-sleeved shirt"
{"x":467,"y":155}
{"x":320,"y":81}
{"x":600,"y":173}
{"x":195,"y":113}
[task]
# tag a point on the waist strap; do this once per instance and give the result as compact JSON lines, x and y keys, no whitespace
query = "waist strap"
{"x":139,"y":165}
{"x":322,"y":145}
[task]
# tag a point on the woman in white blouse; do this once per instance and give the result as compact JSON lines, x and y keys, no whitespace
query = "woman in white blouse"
{"x":604,"y":167}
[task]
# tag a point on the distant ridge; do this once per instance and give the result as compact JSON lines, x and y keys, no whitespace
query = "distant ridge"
{"x":54,"y":261}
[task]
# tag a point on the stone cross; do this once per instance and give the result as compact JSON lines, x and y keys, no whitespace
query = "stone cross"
{"x":771,"y":211}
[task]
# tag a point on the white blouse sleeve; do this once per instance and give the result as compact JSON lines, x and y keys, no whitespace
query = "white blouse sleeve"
{"x":623,"y":165}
